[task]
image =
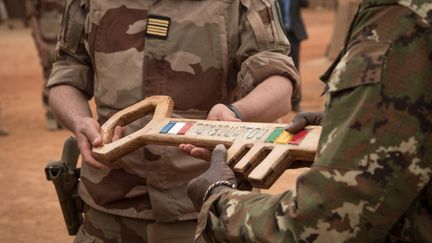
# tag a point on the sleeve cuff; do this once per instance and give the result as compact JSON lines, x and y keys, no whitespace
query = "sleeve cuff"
{"x":68,"y":73}
{"x":263,"y":65}
{"x":206,"y":211}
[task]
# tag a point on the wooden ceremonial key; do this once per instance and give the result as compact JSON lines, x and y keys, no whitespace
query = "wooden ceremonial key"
{"x":259,"y":152}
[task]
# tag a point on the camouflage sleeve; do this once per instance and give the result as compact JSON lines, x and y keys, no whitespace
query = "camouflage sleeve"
{"x":375,"y":154}
{"x":264,"y":47}
{"x":73,"y":64}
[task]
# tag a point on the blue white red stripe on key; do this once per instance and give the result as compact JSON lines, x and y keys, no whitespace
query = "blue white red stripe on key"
{"x":167,"y":127}
{"x":176,"y":128}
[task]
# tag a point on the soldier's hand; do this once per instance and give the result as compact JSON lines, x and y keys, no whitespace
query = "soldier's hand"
{"x":303,"y":119}
{"x":197,"y":152}
{"x":88,"y":136}
{"x":221,"y":112}
{"x":218,"y":112}
{"x":119,"y":132}
{"x":218,"y":171}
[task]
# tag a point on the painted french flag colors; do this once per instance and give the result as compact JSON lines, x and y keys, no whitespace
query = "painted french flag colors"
{"x":176,"y":128}
{"x":185,"y":128}
{"x":167,"y":127}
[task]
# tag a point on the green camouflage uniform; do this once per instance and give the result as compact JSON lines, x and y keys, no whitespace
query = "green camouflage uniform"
{"x":210,"y":51}
{"x":48,"y":14}
{"x":371,"y":178}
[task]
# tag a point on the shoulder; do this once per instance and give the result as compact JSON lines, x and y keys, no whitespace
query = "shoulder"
{"x":423,"y":8}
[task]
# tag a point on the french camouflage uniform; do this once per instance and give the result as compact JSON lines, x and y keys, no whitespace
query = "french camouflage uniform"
{"x":48,"y":14}
{"x":198,"y":52}
{"x":371,"y":178}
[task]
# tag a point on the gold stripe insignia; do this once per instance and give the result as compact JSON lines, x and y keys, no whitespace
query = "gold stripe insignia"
{"x":157,"y":27}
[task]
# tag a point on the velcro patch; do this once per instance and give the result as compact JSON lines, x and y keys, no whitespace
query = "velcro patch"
{"x":157,"y":27}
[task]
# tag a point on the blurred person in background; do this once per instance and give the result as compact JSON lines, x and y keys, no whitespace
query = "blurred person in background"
{"x":3,"y":12}
{"x":3,"y":131}
{"x":296,"y":32}
{"x":44,"y":18}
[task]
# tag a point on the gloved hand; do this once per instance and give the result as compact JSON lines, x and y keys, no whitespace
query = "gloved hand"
{"x":218,"y":171}
{"x":303,"y":119}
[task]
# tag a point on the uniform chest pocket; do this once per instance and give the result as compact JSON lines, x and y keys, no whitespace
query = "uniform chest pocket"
{"x":362,"y":65}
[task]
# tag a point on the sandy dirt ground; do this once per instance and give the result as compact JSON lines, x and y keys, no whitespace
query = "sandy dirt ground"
{"x":29,"y":211}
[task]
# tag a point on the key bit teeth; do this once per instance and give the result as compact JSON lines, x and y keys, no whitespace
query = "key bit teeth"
{"x":236,"y":152}
{"x":265,"y":174}
{"x":251,"y":159}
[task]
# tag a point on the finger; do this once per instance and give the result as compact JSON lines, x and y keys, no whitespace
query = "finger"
{"x":91,"y":131}
{"x":89,"y":159}
{"x":297,"y":124}
{"x":119,"y":132}
{"x":219,"y":154}
{"x":313,"y":118}
{"x":201,"y":153}
{"x":187,"y":148}
{"x":85,"y":150}
{"x":197,"y":152}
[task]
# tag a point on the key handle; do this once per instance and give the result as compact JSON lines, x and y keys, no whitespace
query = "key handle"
{"x":161,"y":106}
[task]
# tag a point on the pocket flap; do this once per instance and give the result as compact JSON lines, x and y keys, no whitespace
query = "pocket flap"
{"x":362,"y":64}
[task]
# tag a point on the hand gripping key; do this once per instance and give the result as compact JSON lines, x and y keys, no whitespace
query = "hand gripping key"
{"x":258,"y":152}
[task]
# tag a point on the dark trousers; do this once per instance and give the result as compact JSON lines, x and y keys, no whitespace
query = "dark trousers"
{"x":295,"y":54}
{"x":295,"y":48}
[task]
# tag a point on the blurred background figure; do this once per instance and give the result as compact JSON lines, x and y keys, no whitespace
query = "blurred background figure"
{"x":3,"y":131}
{"x":3,"y":12}
{"x":345,"y":11}
{"x":296,"y":32}
{"x":44,"y":18}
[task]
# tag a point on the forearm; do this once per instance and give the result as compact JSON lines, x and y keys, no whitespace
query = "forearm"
{"x":255,"y":217}
{"x":69,"y":105}
{"x":270,"y":100}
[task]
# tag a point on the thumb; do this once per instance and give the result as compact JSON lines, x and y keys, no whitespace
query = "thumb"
{"x":297,"y":124}
{"x":219,"y":155}
{"x":92,"y":134}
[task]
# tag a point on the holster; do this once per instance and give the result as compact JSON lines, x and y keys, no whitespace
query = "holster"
{"x":65,"y":177}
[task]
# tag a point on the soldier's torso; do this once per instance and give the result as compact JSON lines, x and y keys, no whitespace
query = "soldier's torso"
{"x":50,"y":14}
{"x":368,"y":60}
{"x":183,"y":49}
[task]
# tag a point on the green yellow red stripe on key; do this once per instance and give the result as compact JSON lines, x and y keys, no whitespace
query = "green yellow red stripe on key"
{"x":280,"y":136}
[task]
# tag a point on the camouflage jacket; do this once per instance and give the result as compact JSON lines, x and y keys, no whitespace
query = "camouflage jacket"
{"x":197,"y":52}
{"x":49,"y":15}
{"x":371,"y":178}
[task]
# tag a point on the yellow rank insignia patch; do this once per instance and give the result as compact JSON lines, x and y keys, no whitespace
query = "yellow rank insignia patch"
{"x":157,"y":27}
